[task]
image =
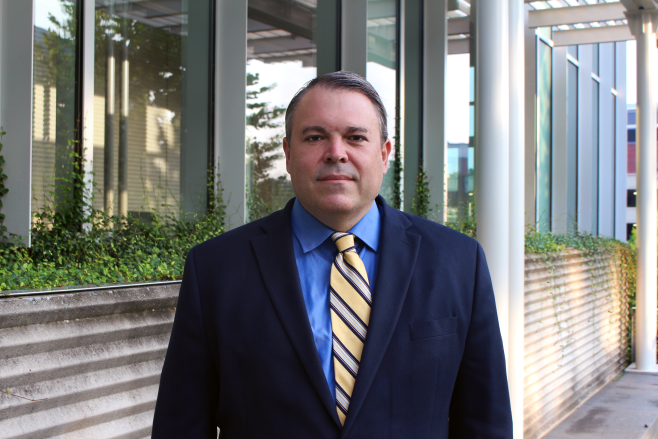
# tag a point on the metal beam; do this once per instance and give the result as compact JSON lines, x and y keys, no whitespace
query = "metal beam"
{"x":576,"y":14}
{"x":459,"y":26}
{"x":456,"y":47}
{"x":635,"y":5}
{"x":593,"y":35}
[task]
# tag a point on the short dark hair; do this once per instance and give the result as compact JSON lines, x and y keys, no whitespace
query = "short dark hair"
{"x":341,"y":80}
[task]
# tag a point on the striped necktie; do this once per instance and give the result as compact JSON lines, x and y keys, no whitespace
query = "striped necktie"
{"x":350,"y":303}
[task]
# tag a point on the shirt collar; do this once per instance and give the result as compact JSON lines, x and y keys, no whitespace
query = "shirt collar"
{"x":311,"y":233}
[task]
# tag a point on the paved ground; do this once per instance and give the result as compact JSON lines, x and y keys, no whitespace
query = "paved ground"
{"x":623,"y":409}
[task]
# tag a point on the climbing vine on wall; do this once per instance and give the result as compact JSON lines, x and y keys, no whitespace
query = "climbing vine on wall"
{"x":3,"y":189}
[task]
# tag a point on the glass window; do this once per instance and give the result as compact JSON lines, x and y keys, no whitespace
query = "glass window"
{"x":631,"y":198}
{"x":631,"y":135}
{"x":459,"y":128}
{"x":544,"y":138}
{"x":281,"y":57}
{"x":381,"y":71}
{"x":595,"y":155}
{"x":573,"y":51}
{"x":54,"y":124}
{"x":461,"y":175}
{"x":631,"y":117}
{"x":572,"y":145}
{"x":152,"y":124}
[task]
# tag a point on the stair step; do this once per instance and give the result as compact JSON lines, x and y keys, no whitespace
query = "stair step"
{"x":46,"y":395}
{"x":34,"y":339}
{"x":70,"y":418}
{"x":25,"y":370}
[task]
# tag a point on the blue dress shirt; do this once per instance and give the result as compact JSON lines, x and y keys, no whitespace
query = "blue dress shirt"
{"x":314,"y":254}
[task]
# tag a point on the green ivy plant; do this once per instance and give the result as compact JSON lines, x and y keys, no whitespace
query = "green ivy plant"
{"x":420,"y":205}
{"x":75,"y":244}
{"x":3,"y":189}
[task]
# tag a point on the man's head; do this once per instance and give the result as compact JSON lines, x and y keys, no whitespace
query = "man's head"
{"x":336,"y":147}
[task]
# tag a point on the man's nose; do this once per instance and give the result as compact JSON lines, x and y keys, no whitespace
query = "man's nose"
{"x":336,"y":151}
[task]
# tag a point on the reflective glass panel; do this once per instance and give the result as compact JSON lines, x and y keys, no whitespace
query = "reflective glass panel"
{"x":152,"y":85}
{"x":54,"y":123}
{"x":459,"y":128}
{"x":281,"y":57}
{"x":544,"y":138}
{"x":594,"y":227}
{"x":381,"y":71}
{"x":572,"y":145}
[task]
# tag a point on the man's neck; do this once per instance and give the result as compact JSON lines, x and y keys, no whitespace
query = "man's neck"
{"x":339,"y":221}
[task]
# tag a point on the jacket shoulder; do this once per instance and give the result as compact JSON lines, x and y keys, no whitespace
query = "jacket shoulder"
{"x":439,"y":233}
{"x":240,"y":236}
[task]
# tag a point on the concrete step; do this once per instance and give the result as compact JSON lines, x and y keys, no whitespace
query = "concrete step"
{"x":67,"y":419}
{"x":29,"y":369}
{"x":20,"y":341}
{"x":26,"y":311}
{"x":136,"y":426}
{"x":46,"y":395}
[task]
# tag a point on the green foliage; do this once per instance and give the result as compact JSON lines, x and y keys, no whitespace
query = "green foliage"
{"x":75,"y":244}
{"x":397,"y":164}
{"x":420,"y":205}
{"x":463,"y":220}
{"x":3,"y":189}
{"x":608,"y":258}
{"x":264,"y":193}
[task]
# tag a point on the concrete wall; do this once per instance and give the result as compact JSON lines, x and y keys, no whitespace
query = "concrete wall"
{"x":91,"y":361}
{"x":576,"y":319}
{"x":83,"y":365}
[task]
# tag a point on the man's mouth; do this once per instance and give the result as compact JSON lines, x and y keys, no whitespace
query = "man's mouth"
{"x":334,"y":177}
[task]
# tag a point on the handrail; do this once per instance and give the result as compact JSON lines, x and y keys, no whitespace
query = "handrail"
{"x":77,"y":289}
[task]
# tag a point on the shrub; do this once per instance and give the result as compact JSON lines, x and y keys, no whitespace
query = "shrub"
{"x":75,"y":244}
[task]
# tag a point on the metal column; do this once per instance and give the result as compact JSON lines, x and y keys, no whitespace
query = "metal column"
{"x":515,"y":353}
{"x":643,"y":26}
{"x":492,"y":160}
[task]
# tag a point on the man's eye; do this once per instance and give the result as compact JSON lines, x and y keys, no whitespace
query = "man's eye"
{"x":313,"y":138}
{"x":357,"y":138}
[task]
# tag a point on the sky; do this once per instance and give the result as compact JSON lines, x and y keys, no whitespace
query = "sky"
{"x":631,"y":73}
{"x":41,"y":10}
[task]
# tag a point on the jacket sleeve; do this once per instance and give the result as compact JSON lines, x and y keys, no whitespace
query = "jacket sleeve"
{"x":480,"y":405}
{"x":189,"y":389}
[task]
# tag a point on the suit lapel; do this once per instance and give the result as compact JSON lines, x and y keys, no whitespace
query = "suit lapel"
{"x":276,"y":260}
{"x":398,"y":252}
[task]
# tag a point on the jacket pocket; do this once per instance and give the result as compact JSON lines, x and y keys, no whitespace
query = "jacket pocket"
{"x":433,"y":328}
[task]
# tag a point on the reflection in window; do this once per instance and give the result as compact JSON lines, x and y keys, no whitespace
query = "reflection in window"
{"x":381,"y":71}
{"x":595,"y":155}
{"x":281,"y":57}
{"x":544,"y":127}
{"x":459,"y":131}
{"x":152,"y":106}
{"x":461,"y":178}
{"x":54,"y":124}
{"x":572,"y":146}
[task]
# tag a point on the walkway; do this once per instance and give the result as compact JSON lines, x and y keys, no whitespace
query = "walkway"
{"x":623,"y":409}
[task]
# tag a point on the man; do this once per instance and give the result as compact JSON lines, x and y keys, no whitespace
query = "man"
{"x":338,"y":316}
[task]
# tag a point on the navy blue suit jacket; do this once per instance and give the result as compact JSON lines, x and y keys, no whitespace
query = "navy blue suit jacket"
{"x":242,"y":357}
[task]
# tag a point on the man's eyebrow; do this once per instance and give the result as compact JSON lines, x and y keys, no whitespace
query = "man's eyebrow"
{"x":357,"y":130}
{"x":317,"y":128}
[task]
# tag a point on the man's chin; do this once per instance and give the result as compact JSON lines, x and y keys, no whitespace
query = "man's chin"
{"x":338,"y":204}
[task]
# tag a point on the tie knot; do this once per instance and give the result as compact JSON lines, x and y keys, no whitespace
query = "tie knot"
{"x":344,"y":241}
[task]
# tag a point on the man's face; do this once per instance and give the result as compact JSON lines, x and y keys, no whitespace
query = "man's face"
{"x":335,"y":156}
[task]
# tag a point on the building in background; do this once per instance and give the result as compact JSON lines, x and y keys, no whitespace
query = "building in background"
{"x":631,"y":179}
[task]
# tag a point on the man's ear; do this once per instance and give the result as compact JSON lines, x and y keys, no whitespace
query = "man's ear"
{"x":286,"y":151}
{"x":386,"y":151}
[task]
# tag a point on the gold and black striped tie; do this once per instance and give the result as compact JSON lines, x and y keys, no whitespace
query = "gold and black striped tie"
{"x":350,"y":302}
